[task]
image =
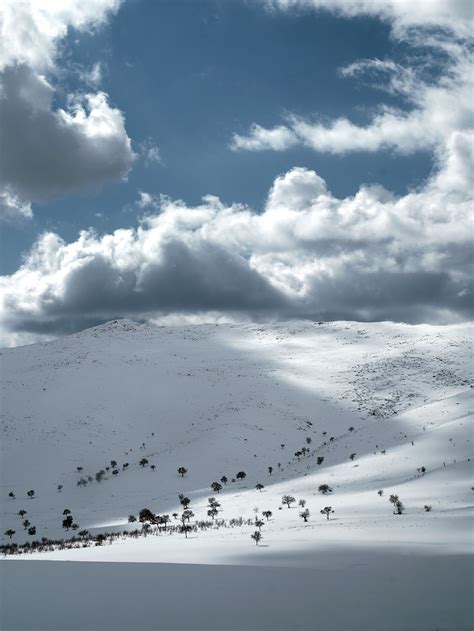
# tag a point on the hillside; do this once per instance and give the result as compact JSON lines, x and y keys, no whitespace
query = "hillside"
{"x":219,"y":399}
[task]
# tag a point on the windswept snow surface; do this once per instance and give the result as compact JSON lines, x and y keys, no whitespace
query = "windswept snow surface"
{"x":218,"y":399}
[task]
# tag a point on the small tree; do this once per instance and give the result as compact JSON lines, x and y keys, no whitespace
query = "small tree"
{"x":66,"y":511}
{"x":26,"y":523}
{"x":380,"y":492}
{"x":319,"y":460}
{"x":241,"y":475}
{"x":302,"y":503}
{"x":83,"y":533}
{"x":185,"y":528}
{"x":182,"y":471}
{"x":213,"y":503}
{"x":32,"y":531}
{"x":213,"y":512}
{"x":397,"y":504}
{"x":185,"y":502}
{"x":99,"y":475}
{"x":153,"y":467}
{"x":216,"y":487}
{"x":186,"y":516}
{"x":257,"y":537}
{"x":60,"y":488}
{"x":427,"y":508}
{"x":79,"y":469}
{"x":22,"y":513}
{"x":259,"y":523}
{"x":224,"y":479}
{"x":113,"y":464}
{"x":146,"y":515}
{"x":259,"y":487}
{"x":131,"y":519}
{"x":288,"y":500}
{"x":308,"y":440}
{"x":270,"y":470}
{"x":9,"y":533}
{"x":31,"y":494}
{"x":298,"y":454}
{"x":143,"y":462}
{"x":351,"y":429}
{"x":327,"y":510}
{"x":12,"y":495}
{"x":67,"y":523}
{"x":267,"y":514}
{"x":325,"y":489}
{"x":352,"y":456}
{"x":305,"y":515}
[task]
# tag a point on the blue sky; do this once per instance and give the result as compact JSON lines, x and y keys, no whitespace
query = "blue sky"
{"x":255,"y":103}
{"x":188,"y":74}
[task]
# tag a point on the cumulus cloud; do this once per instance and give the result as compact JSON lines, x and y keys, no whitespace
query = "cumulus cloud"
{"x":308,"y":254}
{"x":49,"y":151}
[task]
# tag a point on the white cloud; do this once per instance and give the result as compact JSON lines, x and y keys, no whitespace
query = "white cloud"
{"x":370,"y":256}
{"x":49,"y":151}
{"x":32,"y":29}
{"x":12,"y":208}
{"x":260,"y":139}
{"x":455,"y":15}
{"x":150,"y":152}
{"x":431,"y":110}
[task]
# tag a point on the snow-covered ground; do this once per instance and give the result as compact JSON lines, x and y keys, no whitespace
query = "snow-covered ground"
{"x":219,"y":399}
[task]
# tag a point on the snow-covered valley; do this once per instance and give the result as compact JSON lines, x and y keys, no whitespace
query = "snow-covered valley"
{"x":370,"y":410}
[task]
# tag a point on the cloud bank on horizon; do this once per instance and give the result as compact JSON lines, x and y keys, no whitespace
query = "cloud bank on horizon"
{"x":308,"y":253}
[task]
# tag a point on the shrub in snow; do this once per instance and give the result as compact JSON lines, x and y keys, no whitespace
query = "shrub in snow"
{"x":182,"y":471}
{"x":257,"y":536}
{"x":324,"y":489}
{"x":259,"y":487}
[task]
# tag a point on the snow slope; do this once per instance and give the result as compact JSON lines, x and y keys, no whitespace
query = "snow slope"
{"x":218,"y":399}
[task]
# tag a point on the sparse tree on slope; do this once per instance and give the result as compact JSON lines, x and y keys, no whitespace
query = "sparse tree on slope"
{"x":288,"y":500}
{"x":327,"y":510}
{"x":305,"y":515}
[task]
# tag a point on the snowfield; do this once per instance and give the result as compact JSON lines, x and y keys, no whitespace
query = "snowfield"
{"x":219,"y":399}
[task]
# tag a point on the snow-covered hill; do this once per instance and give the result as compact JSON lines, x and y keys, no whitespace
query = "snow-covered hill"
{"x":219,"y":399}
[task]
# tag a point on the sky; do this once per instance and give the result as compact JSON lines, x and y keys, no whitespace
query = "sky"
{"x":228,"y":160}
